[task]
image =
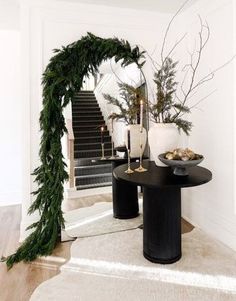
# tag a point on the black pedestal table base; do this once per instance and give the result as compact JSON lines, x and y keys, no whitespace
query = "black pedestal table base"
{"x":162,"y":224}
{"x":124,"y":197}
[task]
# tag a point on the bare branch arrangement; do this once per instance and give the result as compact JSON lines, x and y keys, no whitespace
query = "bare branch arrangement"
{"x":172,"y":98}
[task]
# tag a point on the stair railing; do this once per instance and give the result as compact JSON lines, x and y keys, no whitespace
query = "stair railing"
{"x":70,"y":152}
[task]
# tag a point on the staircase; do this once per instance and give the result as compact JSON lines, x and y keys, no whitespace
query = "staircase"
{"x":87,"y":118}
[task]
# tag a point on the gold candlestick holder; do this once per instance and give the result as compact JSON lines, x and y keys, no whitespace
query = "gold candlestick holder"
{"x":141,"y":168}
{"x":103,"y":153}
{"x":129,"y":170}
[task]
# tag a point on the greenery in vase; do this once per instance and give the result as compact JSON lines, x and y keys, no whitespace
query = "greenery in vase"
{"x":128,"y":103}
{"x":168,"y":109}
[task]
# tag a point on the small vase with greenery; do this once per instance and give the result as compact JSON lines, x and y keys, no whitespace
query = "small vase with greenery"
{"x":129,"y":112}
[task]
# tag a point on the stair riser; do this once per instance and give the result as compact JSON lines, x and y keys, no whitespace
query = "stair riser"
{"x":97,"y":139}
{"x":83,"y":109}
{"x":88,"y":162}
{"x":84,"y":102}
{"x":87,"y":108}
{"x":92,"y":171}
{"x":88,"y":123}
{"x":80,"y":134}
{"x":94,"y":180}
{"x":89,"y":120}
{"x":88,"y":128}
{"x":83,"y":99}
{"x":89,"y":154}
{"x":84,"y":94}
{"x":88,"y":131}
{"x":78,"y":147}
{"x":84,"y":115}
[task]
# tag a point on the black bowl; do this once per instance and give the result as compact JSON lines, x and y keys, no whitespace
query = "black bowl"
{"x":180,"y":167}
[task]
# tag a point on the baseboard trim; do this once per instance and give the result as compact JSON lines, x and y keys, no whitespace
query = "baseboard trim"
{"x":215,"y":226}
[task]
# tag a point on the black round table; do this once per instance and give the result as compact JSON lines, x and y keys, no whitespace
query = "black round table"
{"x":162,"y":206}
{"x":124,"y":195}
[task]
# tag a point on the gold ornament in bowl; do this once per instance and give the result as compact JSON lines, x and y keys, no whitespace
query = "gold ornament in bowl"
{"x":181,"y":159}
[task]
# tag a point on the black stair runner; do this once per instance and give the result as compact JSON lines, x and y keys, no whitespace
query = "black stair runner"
{"x":87,"y":122}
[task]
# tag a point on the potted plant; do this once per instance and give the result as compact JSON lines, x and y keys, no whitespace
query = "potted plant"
{"x":172,"y":101}
{"x":128,"y":105}
{"x":166,"y":112}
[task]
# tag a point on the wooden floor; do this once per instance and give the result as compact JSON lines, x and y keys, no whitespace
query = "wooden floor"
{"x":19,"y":283}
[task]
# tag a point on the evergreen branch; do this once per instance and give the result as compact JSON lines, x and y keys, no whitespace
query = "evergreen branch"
{"x":62,"y":78}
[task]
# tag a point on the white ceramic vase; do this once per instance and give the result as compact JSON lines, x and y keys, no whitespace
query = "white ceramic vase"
{"x":162,"y":137}
{"x":135,"y":139}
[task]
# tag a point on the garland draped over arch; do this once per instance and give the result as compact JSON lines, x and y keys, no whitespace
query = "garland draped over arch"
{"x":63,"y":77}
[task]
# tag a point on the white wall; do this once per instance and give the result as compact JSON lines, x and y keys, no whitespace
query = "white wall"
{"x":11,"y":108}
{"x":48,"y":25}
{"x":9,"y":15}
{"x":211,"y":206}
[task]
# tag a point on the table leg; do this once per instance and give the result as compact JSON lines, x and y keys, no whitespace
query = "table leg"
{"x":162,"y":224}
{"x":125,"y":198}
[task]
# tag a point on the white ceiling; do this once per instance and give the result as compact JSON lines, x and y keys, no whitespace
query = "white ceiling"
{"x":164,"y":6}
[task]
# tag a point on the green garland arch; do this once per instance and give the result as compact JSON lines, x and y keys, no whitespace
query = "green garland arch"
{"x":63,"y":77}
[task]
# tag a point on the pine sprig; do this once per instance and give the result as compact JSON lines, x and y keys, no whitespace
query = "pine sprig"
{"x":128,"y":103}
{"x":166,"y":109}
{"x":63,"y":77}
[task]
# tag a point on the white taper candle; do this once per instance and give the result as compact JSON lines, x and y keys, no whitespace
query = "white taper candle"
{"x":141,"y":116}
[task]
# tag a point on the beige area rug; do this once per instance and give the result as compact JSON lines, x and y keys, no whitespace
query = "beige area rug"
{"x":111,"y":267}
{"x":97,"y":220}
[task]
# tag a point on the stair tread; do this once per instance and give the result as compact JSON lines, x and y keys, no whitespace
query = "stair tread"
{"x":80,"y":187}
{"x":91,"y":137}
{"x":93,"y":176}
{"x":84,"y":121}
{"x":94,"y":150}
{"x":94,"y":128}
{"x":92,"y":166}
{"x":90,"y":131}
{"x":92,"y":160}
{"x":91,"y":143}
{"x":88,"y":116}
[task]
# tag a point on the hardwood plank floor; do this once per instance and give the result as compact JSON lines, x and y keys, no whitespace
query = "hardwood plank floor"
{"x":19,"y":283}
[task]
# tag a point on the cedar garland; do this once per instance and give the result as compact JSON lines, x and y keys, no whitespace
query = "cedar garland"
{"x":63,"y":77}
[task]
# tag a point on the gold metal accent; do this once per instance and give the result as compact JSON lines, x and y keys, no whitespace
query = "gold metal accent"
{"x":140,"y":168}
{"x":129,"y":170}
{"x":103,"y":155}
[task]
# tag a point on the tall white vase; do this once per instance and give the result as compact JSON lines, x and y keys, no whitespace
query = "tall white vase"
{"x":162,"y":137}
{"x":135,"y":139}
